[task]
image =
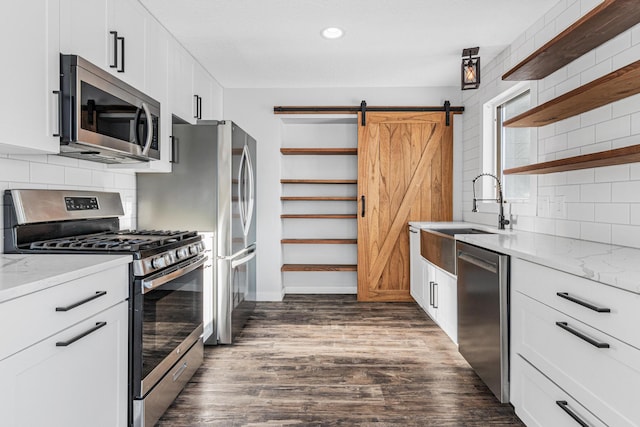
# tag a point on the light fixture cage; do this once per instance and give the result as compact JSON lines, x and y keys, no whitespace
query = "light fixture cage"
{"x":470,"y":77}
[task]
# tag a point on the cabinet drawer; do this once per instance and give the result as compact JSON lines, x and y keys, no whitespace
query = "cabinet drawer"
{"x":31,"y":318}
{"x":539,"y":402}
{"x":604,"y":380}
{"x":544,"y":284}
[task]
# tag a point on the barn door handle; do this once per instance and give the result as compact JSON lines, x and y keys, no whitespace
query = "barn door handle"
{"x":363,"y":209}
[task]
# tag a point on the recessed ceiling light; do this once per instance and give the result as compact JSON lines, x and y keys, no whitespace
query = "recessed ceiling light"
{"x":332,"y":33}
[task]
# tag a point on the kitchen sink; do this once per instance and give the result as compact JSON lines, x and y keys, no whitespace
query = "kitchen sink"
{"x":438,"y":246}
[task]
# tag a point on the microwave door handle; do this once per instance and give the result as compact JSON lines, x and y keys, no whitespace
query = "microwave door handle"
{"x":147,"y":144}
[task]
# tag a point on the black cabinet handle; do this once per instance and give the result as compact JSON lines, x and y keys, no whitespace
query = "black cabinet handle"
{"x":564,"y":405}
{"x":121,"y":69}
{"x":566,"y":327}
{"x":200,"y":107}
{"x":59,"y":95}
{"x":98,"y":294}
{"x":174,"y":149}
{"x":431,"y":294}
{"x":81,"y":335}
{"x":435,"y":295}
{"x":195,"y":106}
{"x":583,"y":303}
{"x":115,"y":49}
{"x":363,"y":208}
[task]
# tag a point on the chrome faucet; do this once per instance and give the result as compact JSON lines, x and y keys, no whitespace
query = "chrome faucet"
{"x":501,"y":221}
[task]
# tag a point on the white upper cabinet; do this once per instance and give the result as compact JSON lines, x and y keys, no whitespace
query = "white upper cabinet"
{"x":83,"y":30}
{"x":107,"y":33}
{"x":181,"y":99}
{"x":31,"y":79}
{"x":203,"y":93}
{"x":126,"y":21}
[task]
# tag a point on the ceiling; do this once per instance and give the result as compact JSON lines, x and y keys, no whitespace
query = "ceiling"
{"x":387,"y":43}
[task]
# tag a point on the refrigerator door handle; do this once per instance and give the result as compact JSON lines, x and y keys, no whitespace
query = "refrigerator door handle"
{"x":250,"y":201}
{"x":243,"y":260}
{"x":248,"y":249}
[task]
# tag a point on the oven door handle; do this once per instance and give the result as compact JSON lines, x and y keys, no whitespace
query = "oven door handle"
{"x":151,"y":284}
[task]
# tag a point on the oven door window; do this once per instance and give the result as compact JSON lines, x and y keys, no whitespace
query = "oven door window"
{"x":171,"y":313}
{"x":109,"y":115}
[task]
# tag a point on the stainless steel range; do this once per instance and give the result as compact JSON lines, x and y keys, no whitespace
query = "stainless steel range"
{"x":167,"y":279}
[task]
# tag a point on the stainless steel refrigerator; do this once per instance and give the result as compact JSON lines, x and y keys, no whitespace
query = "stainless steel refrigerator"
{"x":212,"y":189}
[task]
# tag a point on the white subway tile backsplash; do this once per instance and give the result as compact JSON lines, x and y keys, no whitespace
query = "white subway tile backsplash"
{"x":625,"y":142}
{"x":612,"y":213}
{"x":571,"y":193}
{"x":600,"y":69}
{"x":613,"y":129}
{"x":44,"y":173}
{"x":626,"y":57}
{"x":595,"y":148}
{"x":635,"y":122}
{"x":587,"y":5}
{"x":595,"y":192}
{"x":634,"y":171}
{"x":595,"y":232}
{"x":14,"y":170}
{"x":597,"y":115}
{"x":567,"y":228}
{"x":612,"y":173}
{"x":613,"y":47}
{"x":634,"y":214}
{"x":77,"y":176}
{"x":568,"y":125}
{"x":555,"y":143}
{"x":568,"y":85}
{"x":62,"y":161}
{"x":583,"y":136}
{"x":626,"y":106}
{"x":587,"y":60}
{"x":628,"y":191}
{"x":124,"y":181}
{"x":544,"y":225}
{"x":583,"y":176}
{"x":626,"y":235}
{"x":567,"y":17}
{"x":581,"y":211}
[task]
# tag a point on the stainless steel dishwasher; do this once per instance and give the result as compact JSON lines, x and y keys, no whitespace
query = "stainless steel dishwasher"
{"x":483,"y":315}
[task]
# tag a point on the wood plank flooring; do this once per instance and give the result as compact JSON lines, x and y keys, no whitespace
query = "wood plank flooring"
{"x":327,"y":360}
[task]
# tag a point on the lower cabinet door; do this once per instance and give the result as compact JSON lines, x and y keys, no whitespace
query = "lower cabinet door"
{"x":540,"y":403}
{"x":77,"y":377}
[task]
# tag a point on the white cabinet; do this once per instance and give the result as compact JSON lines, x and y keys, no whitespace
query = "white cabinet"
{"x":67,"y":364}
{"x":107,"y":33}
{"x":441,"y":299}
{"x":579,"y":335}
{"x":84,"y":32}
{"x":202,"y":92}
{"x":128,"y":19}
{"x":181,"y":99}
{"x":30,"y":76}
{"x":415,"y":266}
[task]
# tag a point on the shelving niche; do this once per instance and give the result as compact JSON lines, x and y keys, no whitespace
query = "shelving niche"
{"x":604,"y":22}
{"x":319,"y":203}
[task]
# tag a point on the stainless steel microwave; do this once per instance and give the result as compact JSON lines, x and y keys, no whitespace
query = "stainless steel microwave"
{"x":104,"y":119}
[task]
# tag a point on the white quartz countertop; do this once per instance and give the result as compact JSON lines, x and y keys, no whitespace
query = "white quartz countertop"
{"x":23,"y":274}
{"x":613,"y":265}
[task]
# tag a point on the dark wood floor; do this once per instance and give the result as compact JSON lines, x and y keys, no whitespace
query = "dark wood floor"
{"x":330,"y":361}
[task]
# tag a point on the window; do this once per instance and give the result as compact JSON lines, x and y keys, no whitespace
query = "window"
{"x":513,"y":148}
{"x":504,"y":148}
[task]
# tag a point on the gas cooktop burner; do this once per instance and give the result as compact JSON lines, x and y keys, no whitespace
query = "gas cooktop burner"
{"x":125,"y":240}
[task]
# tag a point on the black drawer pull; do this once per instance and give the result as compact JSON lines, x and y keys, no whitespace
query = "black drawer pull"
{"x":583,"y":303}
{"x":564,"y":405}
{"x":566,"y":327}
{"x":82,"y":335}
{"x":362,"y":199}
{"x":84,"y":301}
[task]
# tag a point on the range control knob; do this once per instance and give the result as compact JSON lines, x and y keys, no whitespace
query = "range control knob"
{"x":158,"y":262}
{"x":182,"y":253}
{"x":168,"y":258}
{"x":193,"y":249}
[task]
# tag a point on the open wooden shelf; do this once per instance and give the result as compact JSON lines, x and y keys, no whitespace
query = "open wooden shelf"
{"x":318,"y":181}
{"x":318,"y":151}
{"x":319,"y":267}
{"x":319,"y":241}
{"x":320,"y":216}
{"x":614,"y":86}
{"x":602,"y":23}
{"x":319,"y":198}
{"x":618,"y":156}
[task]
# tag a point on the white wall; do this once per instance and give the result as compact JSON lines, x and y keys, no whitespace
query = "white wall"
{"x":56,"y":172}
{"x":598,"y":204}
{"x":252,"y":109}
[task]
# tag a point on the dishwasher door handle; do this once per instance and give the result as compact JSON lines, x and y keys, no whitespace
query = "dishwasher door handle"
{"x":471,"y":259}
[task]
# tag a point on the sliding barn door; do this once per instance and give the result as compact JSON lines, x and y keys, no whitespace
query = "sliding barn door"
{"x":405,"y":163}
